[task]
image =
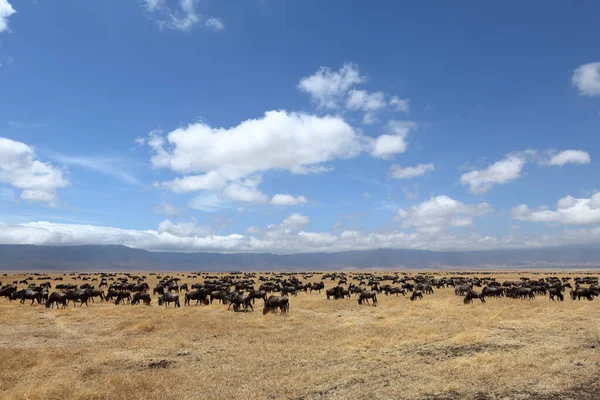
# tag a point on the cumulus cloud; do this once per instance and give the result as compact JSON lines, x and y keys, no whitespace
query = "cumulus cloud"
{"x":587,"y":79}
{"x":570,"y":156}
{"x":328,"y":88}
{"x":20,"y":168}
{"x":6,"y":10}
{"x":503,"y":171}
{"x":398,"y":172}
{"x":440,"y":212}
{"x":182,"y":229}
{"x":569,"y":210}
{"x":387,"y":145}
{"x":181,"y":15}
{"x":510,"y":168}
{"x":288,"y":200}
{"x":335,"y":90}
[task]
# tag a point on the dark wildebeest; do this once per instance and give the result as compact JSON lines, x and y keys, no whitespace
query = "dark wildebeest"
{"x":123,"y":295}
{"x":397,"y":291}
{"x":257,"y":294}
{"x":141,"y":296}
{"x":77,"y":295}
{"x":289,"y":289}
{"x":58,"y":298}
{"x":275,"y":302}
{"x":416,"y":295}
{"x":7,"y":291}
{"x":473,"y":295}
{"x":582,"y":292}
{"x":317,"y":286}
{"x":95,"y":293}
{"x":159,"y":290}
{"x":238,"y":299}
{"x":184,"y":287}
{"x":28,"y":294}
{"x":169,"y":298}
{"x":200,"y":295}
{"x":555,"y":292}
{"x":140,"y":287}
{"x":365,"y":295}
{"x":220,"y":295}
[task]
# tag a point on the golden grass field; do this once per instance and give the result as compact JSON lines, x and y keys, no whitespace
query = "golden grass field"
{"x":436,"y":348}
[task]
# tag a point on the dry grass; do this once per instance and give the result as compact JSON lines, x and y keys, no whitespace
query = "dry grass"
{"x":437,"y":348}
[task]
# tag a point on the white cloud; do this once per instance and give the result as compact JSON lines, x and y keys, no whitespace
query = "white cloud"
{"x":183,"y":229}
{"x":386,"y":145}
{"x":288,"y":200}
{"x":244,"y":193}
{"x":570,"y":156}
{"x":6,"y":10}
{"x":278,"y":239}
{"x":587,"y":79}
{"x":503,"y":171}
{"x":215,"y":24}
{"x":510,"y":168}
{"x":20,"y":168}
{"x":400,"y":104}
{"x":569,"y":210}
{"x":328,"y":88}
{"x":295,"y":221}
{"x":369,"y":103}
{"x":211,"y":157}
{"x":181,"y":17}
{"x":398,"y":172}
{"x":440,"y":212}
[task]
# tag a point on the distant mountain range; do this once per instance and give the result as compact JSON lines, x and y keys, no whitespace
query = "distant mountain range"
{"x":121,"y":258}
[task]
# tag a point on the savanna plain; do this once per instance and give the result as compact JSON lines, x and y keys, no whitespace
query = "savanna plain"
{"x":434,"y":348}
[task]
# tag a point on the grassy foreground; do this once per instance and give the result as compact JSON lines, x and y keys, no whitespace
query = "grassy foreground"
{"x":436,"y":348}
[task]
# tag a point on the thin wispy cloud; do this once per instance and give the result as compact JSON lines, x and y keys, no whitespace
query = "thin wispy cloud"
{"x":112,"y":166}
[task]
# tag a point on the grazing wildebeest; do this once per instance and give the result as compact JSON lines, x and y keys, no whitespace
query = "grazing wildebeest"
{"x":141,"y":296}
{"x":275,"y":302}
{"x":77,"y":295}
{"x":95,"y":293}
{"x":123,"y":295}
{"x":397,"y":291}
{"x":200,"y":295}
{"x":257,"y":294}
{"x":58,"y":298}
{"x":184,"y":287}
{"x":460,"y":290}
{"x":28,"y":294}
{"x":365,"y":295}
{"x":473,"y":295}
{"x":555,"y":292}
{"x":220,"y":295}
{"x":582,"y":292}
{"x":317,"y":286}
{"x":289,"y":289}
{"x":416,"y":295}
{"x":140,"y":287}
{"x":238,"y":299}
{"x":7,"y":291}
{"x":169,"y":298}
{"x":159,"y":290}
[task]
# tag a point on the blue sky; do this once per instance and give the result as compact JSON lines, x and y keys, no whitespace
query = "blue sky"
{"x":290,"y":126}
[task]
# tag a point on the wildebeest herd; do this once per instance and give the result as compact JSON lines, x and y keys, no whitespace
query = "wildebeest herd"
{"x":240,"y":290}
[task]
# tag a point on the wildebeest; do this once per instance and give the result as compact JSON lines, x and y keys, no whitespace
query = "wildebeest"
{"x":141,"y":296}
{"x":416,"y":295}
{"x":123,"y":295}
{"x":555,"y":292}
{"x":238,"y":299}
{"x":582,"y":292}
{"x":169,"y":298}
{"x":289,"y":289}
{"x":317,"y":286}
{"x":95,"y":293}
{"x":275,"y":302}
{"x":220,"y":295}
{"x":58,"y":298}
{"x":473,"y":295}
{"x":77,"y":295}
{"x":200,"y":295}
{"x":365,"y":295}
{"x":27,"y":294}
